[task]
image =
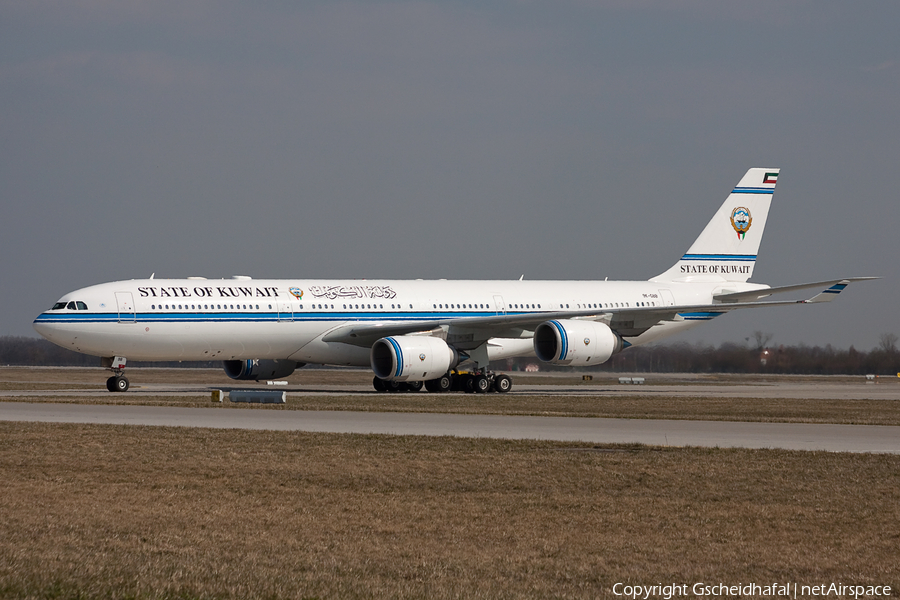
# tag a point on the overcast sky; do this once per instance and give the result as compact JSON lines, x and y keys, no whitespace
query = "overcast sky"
{"x":562,"y":140}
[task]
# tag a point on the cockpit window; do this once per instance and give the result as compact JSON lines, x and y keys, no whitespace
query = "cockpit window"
{"x":81,"y":305}
{"x":59,"y":306}
{"x":71,"y":305}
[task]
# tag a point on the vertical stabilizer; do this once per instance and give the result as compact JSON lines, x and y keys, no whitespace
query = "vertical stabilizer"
{"x":727,"y":248}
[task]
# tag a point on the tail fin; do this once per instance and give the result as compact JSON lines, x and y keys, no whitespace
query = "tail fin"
{"x":726,"y":250}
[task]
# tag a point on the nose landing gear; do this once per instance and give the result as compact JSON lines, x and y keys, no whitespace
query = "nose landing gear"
{"x":118,"y":382}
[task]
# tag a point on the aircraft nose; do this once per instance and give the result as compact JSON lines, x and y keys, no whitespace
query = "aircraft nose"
{"x":46,"y":330}
{"x":39,"y":326}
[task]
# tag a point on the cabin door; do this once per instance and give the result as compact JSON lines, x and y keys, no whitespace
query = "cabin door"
{"x":667,"y":297}
{"x":125,"y":302}
{"x":500,"y":305}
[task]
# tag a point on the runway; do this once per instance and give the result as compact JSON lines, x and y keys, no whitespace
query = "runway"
{"x":677,"y":433}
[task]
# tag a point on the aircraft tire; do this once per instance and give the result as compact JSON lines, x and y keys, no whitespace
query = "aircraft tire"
{"x":120,"y":382}
{"x":439,"y":385}
{"x":502,"y":384}
{"x":412,"y":386}
{"x":111,"y":384}
{"x":481,"y":384}
{"x":445,"y":383}
{"x":378,"y":384}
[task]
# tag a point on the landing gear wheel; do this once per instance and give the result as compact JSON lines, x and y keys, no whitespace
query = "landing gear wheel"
{"x":392,"y":386}
{"x":502,"y":384}
{"x":119,"y":383}
{"x":414,"y":386}
{"x":439,"y":385}
{"x":481,"y":384}
{"x":467,"y":383}
{"x":378,"y":384}
{"x":445,"y":383}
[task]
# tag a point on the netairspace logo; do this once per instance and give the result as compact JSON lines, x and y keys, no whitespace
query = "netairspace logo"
{"x":771,"y":590}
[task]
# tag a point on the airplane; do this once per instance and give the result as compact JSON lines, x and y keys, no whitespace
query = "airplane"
{"x":418,"y":333}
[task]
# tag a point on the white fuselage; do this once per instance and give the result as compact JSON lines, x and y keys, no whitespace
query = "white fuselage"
{"x":199,"y":319}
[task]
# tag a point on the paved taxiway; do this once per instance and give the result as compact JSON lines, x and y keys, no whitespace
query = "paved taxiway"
{"x":793,"y":436}
{"x":787,"y":390}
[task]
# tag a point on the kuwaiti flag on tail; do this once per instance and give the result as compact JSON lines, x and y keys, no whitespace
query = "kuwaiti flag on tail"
{"x":771,"y":178}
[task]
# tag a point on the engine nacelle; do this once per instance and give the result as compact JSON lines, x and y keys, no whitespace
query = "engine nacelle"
{"x":412,"y":358}
{"x":577,"y":343}
{"x":245,"y":370}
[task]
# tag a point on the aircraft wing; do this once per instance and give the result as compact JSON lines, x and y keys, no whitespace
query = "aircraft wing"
{"x":627,"y":322}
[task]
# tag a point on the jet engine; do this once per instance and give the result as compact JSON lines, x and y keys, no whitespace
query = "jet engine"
{"x":246,"y":370}
{"x":578,"y":343}
{"x":412,"y":358}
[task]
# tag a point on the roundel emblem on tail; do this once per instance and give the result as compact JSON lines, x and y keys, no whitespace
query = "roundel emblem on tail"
{"x":741,"y":220}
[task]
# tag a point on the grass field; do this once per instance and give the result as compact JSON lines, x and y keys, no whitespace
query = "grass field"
{"x":141,"y":512}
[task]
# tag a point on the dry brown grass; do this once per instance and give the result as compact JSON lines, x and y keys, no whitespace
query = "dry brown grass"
{"x":139,"y":512}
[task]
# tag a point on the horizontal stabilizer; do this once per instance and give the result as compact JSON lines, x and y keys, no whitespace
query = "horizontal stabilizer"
{"x":833,"y":287}
{"x":831,"y":293}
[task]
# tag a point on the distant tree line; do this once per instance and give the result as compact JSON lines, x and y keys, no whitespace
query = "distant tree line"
{"x":755,"y":357}
{"x":735,"y":358}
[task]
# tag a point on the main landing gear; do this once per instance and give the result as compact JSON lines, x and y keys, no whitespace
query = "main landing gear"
{"x":118,"y":382}
{"x":473,"y":383}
